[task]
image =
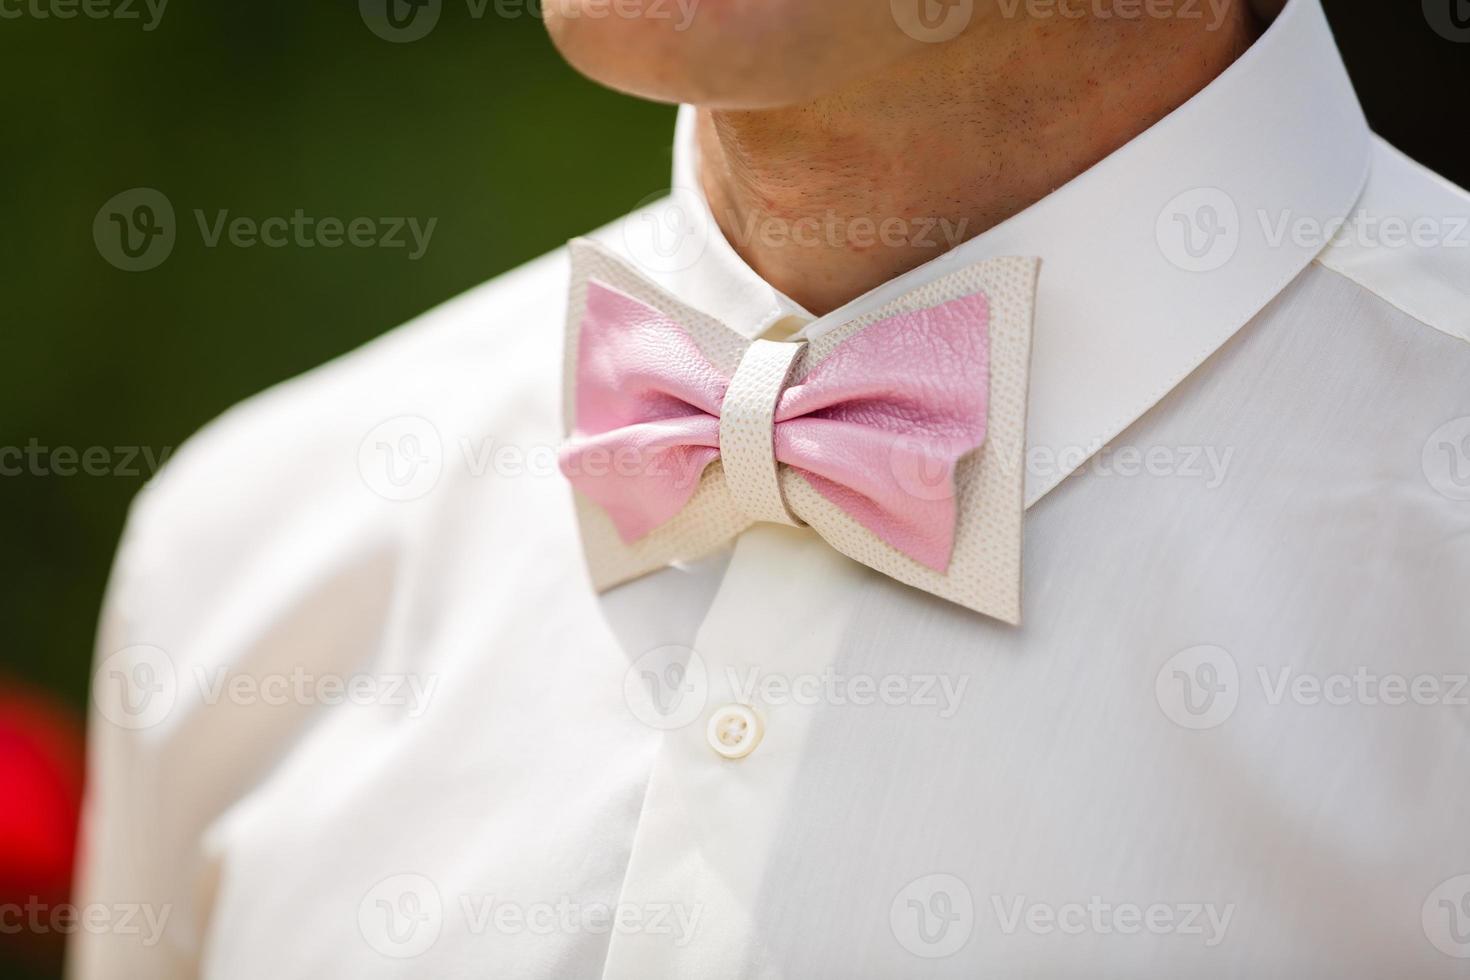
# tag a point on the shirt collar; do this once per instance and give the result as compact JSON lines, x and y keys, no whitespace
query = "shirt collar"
{"x":1126,"y":307}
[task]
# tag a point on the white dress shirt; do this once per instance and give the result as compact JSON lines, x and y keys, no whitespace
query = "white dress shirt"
{"x":359,"y":712}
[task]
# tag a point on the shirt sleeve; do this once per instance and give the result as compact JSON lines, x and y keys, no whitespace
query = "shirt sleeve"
{"x":142,"y":890}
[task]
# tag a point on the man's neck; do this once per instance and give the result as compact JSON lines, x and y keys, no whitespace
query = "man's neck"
{"x":827,"y":200}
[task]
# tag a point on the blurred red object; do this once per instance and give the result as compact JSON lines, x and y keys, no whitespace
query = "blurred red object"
{"x":41,"y":753}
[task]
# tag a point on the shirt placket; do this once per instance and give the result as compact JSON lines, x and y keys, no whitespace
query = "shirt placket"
{"x":714,"y":811}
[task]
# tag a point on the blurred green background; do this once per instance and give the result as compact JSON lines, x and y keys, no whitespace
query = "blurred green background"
{"x":270,"y":106}
{"x":260,"y":108}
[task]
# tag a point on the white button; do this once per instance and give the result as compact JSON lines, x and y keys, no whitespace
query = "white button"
{"x":734,"y":731}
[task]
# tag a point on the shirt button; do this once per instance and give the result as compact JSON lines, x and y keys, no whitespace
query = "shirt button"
{"x":734,"y":731}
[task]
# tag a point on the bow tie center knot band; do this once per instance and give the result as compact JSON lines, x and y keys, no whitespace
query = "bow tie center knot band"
{"x":747,"y":430}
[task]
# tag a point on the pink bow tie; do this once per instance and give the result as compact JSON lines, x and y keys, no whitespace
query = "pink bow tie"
{"x":859,"y":432}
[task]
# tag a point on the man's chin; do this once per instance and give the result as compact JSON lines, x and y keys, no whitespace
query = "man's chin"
{"x":738,"y":60}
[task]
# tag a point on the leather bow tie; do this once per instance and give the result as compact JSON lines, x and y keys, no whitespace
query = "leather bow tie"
{"x":898,"y":436}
